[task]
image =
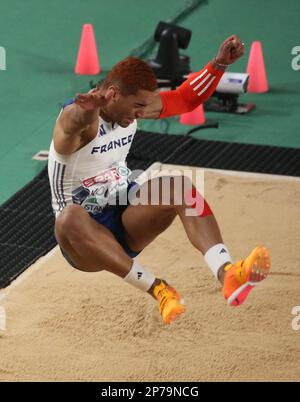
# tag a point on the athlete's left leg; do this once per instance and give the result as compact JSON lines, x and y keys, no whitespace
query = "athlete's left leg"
{"x":143,"y":223}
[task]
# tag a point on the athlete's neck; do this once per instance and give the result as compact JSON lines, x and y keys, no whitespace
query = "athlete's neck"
{"x":105,"y":116}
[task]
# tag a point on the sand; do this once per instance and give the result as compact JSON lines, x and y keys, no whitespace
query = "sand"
{"x":66,"y":325}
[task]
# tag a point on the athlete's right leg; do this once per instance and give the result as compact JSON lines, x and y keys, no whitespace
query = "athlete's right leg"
{"x":92,"y":247}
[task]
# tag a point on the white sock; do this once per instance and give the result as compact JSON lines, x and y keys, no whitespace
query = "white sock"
{"x":217,"y":256}
{"x":139,"y":277}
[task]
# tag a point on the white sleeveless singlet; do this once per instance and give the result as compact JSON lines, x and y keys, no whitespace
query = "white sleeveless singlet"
{"x":92,"y":176}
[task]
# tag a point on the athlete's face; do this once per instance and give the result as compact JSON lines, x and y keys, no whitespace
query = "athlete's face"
{"x":125,"y":109}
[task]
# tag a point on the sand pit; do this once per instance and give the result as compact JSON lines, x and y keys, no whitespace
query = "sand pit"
{"x":66,"y":325}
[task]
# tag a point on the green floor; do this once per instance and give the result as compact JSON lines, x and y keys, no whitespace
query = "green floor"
{"x":41,"y":39}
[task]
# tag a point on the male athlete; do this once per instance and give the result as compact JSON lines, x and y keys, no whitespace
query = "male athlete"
{"x":87,"y":169}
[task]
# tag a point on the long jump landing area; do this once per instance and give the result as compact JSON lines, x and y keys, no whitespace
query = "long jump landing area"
{"x":67,"y":325}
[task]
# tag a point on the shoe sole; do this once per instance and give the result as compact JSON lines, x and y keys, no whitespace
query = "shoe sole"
{"x":258,"y":266}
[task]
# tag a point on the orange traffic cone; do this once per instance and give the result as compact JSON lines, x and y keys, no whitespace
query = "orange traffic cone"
{"x":87,"y":59}
{"x":258,"y":82}
{"x":194,"y":117}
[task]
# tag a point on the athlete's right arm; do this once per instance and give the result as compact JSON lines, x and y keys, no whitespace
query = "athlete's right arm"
{"x":78,"y":120}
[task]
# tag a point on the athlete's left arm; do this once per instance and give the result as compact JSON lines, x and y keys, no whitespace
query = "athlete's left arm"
{"x":198,"y":87}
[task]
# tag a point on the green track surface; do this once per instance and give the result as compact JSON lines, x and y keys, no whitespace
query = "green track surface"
{"x":41,"y":40}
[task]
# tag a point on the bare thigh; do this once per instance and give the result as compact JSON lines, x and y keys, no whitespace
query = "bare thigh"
{"x":90,"y":245}
{"x":143,"y":223}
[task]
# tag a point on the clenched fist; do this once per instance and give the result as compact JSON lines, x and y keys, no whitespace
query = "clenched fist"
{"x":230,"y":50}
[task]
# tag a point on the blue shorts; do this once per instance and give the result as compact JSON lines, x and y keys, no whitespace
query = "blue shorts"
{"x":111,"y":218}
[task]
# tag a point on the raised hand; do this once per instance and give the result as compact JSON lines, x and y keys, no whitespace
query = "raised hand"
{"x":93,"y":99}
{"x":230,"y":50}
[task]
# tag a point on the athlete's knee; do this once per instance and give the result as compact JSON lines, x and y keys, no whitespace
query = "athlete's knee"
{"x":69,"y":221}
{"x":179,"y":186}
{"x":191,"y":198}
{"x":195,"y":200}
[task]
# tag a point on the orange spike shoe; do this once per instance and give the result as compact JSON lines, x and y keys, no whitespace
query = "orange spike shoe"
{"x":170,"y":304}
{"x":241,"y":277}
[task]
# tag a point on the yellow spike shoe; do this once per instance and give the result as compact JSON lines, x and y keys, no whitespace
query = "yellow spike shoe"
{"x":170,"y":304}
